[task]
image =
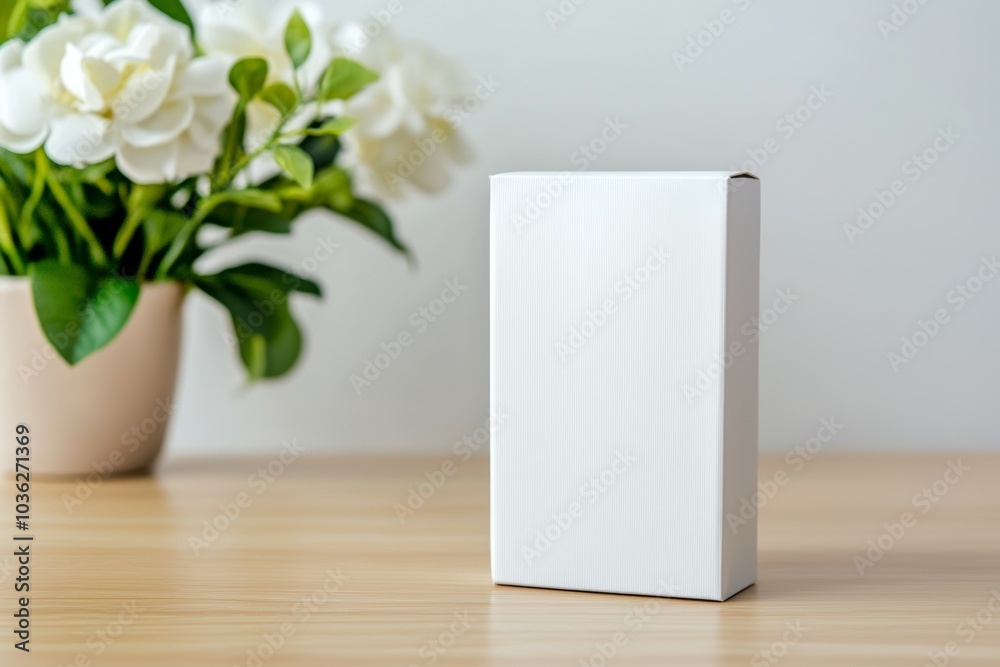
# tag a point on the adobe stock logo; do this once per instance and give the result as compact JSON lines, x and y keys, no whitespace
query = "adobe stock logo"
{"x":713,"y":30}
{"x":928,"y":329}
{"x":913,"y":169}
{"x":626,"y":288}
{"x":419,"y":321}
{"x":751,"y":330}
{"x":590,"y":491}
{"x":900,"y":16}
{"x":923,"y":501}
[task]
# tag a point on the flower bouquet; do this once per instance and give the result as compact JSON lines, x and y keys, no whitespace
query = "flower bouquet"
{"x":136,"y":136}
{"x":123,"y":136}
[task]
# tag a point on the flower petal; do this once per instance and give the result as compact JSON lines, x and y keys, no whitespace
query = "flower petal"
{"x":43,"y":55}
{"x":89,"y":8}
{"x":202,"y":76}
{"x":73,"y":76}
{"x":21,"y":143}
{"x":230,"y":40}
{"x":204,"y":134}
{"x":380,"y":115}
{"x":122,"y":16}
{"x":10,"y":55}
{"x":80,"y":139}
{"x":148,"y":165}
{"x":211,"y":116}
{"x":103,"y":75}
{"x":23,"y":102}
{"x":143,"y":93}
{"x":169,"y":121}
{"x":262,"y":119}
{"x":158,"y":42}
{"x":192,"y":159}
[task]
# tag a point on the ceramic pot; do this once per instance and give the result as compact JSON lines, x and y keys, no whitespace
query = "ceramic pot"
{"x":106,"y":415}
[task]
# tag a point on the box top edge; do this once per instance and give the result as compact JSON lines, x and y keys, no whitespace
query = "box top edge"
{"x":627,"y":174}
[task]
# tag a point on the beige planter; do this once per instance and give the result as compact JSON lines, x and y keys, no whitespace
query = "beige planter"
{"x":106,"y":415}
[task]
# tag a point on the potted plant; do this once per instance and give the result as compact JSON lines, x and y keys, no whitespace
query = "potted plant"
{"x":126,"y":141}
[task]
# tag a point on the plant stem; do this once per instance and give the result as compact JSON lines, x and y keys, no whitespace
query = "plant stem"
{"x":147,"y":257}
{"x":187,"y":233}
{"x":62,"y":245}
{"x":247,"y":159}
{"x":226,"y":178}
{"x":229,"y":148}
{"x":219,"y":182}
{"x":207,"y":205}
{"x":125,"y":234}
{"x":7,"y":237}
{"x":140,"y":202}
{"x":76,"y":218}
{"x":37,"y":190}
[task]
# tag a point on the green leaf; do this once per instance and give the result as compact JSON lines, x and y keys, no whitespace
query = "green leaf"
{"x":281,"y":97}
{"x":334,"y":185}
{"x":282,"y":345}
{"x":95,"y":173}
{"x":267,"y":201}
{"x":296,"y":162}
{"x":26,"y":18}
{"x":298,"y":39}
{"x":331,"y":128}
{"x":338,"y":125}
{"x":141,"y":200}
{"x":233,"y":141}
{"x":343,"y":78}
{"x":254,"y":355}
{"x":371,"y":216}
{"x":7,"y":245}
{"x":265,"y":279}
{"x":269,"y":338}
{"x":13,"y":169}
{"x":247,"y":77}
{"x":243,"y":220}
{"x":161,"y":228}
{"x":175,"y":10}
{"x":144,"y":197}
{"x":80,"y":312}
{"x":12,"y":14}
{"x":96,"y":205}
{"x":322,"y":149}
{"x":331,"y":189}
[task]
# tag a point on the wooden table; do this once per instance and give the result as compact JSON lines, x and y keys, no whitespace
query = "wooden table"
{"x":318,"y":569}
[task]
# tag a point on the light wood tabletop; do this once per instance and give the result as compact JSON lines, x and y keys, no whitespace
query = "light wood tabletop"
{"x":864,"y":560}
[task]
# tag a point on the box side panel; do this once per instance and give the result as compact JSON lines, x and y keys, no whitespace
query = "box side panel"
{"x":495,"y":212}
{"x":607,"y":319}
{"x":739,"y":526}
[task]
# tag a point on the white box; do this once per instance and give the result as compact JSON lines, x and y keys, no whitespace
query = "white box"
{"x":623,"y":367}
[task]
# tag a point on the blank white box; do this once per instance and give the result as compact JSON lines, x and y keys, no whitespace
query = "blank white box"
{"x":623,"y":363}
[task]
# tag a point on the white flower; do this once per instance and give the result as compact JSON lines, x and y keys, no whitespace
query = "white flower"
{"x":408,"y":120}
{"x":121,"y":81}
{"x":256,"y":29}
{"x":23,"y":112}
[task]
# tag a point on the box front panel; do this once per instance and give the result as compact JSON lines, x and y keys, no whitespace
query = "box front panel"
{"x":607,"y":326}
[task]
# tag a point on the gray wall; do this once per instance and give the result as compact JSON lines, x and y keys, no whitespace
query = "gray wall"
{"x":884,"y":97}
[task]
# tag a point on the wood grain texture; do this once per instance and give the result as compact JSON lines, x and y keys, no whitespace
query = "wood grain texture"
{"x":319,"y":562}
